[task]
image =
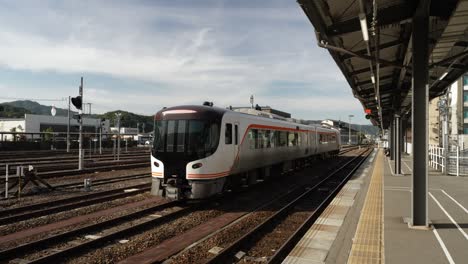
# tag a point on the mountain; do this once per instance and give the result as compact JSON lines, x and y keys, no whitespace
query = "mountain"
{"x":17,"y":109}
{"x":36,"y":108}
{"x":12,"y":111}
{"x":128,"y":119}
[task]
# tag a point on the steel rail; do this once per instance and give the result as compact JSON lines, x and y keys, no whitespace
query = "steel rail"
{"x":98,"y":182}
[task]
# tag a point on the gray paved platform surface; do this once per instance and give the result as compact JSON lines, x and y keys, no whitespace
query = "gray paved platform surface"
{"x":446,"y":243}
{"x":447,"y":204}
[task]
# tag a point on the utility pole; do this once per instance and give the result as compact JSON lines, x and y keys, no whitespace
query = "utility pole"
{"x":100,"y":137}
{"x":80,"y":151}
{"x":118,"y":115}
{"x":68,"y":127}
{"x":349,"y":140}
{"x":154,"y":128}
{"x":95,"y":135}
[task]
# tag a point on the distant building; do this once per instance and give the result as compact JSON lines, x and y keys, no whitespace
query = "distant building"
{"x":452,"y":108}
{"x":125,"y":130}
{"x":39,"y":123}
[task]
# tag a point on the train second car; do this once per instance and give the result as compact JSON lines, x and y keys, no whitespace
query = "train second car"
{"x":199,"y":151}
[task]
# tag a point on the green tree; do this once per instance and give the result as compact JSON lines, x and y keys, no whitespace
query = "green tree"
{"x":13,"y":129}
{"x":48,"y":136}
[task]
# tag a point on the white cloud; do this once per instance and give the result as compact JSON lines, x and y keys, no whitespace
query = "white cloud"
{"x":192,"y":54}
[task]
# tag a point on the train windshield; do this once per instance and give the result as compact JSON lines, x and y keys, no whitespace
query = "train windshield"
{"x":191,"y":138}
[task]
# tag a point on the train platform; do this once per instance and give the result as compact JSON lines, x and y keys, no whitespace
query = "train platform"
{"x":367,"y":222}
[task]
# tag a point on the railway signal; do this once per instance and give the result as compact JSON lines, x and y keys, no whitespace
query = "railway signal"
{"x":368,"y":113}
{"x":78,"y":101}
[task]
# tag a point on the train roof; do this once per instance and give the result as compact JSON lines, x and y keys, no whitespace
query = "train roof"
{"x":216,"y":113}
{"x":191,"y":112}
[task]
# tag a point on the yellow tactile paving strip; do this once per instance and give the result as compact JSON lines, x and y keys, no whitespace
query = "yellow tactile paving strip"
{"x":368,"y":246}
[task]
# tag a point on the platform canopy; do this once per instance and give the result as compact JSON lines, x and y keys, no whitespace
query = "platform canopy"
{"x":370,"y":42}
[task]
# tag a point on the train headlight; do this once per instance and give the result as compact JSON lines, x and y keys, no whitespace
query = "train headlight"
{"x":197,"y":165}
{"x":156,"y":164}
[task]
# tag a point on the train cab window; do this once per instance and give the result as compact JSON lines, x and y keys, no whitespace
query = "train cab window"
{"x":228,"y":134}
{"x":170,"y":135}
{"x":236,"y":134}
{"x":159,"y":134}
{"x":181,"y":136}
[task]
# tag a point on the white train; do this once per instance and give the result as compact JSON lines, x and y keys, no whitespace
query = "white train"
{"x":199,"y":151}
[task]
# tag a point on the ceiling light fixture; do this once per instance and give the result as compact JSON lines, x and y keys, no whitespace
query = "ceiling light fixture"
{"x":443,"y":75}
{"x":365,"y":32}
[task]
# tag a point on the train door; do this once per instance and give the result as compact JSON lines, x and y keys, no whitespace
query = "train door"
{"x":231,"y":136}
{"x":236,"y":143}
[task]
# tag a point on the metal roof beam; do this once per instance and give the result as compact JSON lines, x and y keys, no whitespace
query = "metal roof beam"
{"x":388,"y":15}
{"x":364,"y":51}
{"x":370,"y":81}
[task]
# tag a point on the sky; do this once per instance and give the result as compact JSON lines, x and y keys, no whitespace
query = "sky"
{"x":140,"y":56}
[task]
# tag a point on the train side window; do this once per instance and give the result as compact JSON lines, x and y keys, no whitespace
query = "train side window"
{"x":255,"y":137}
{"x":277,"y":138}
{"x":236,"y":134}
{"x":273,"y":138}
{"x":267,"y":138}
{"x":290,"y":139}
{"x":251,"y":139}
{"x":283,"y":138}
{"x":228,"y":134}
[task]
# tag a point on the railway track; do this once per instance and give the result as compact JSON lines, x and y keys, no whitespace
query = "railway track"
{"x":61,"y":247}
{"x":67,"y":158}
{"x":129,"y":164}
{"x":301,"y":212}
{"x":109,"y":230}
{"x":61,"y":164}
{"x":8,"y":155}
{"x":27,"y":212}
{"x":98,"y":182}
{"x":95,"y":182}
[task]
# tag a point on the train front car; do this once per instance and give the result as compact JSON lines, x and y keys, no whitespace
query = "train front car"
{"x":184,"y":137}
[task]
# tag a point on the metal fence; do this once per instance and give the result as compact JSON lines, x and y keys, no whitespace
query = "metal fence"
{"x":454,"y":159}
{"x":58,"y":140}
{"x":437,"y":157}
